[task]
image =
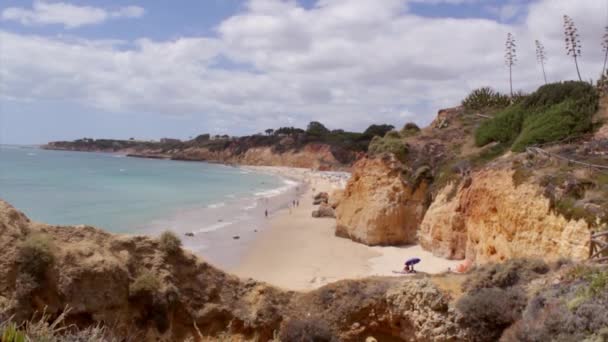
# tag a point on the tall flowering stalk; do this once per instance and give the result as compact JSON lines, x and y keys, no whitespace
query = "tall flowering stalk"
{"x":605,"y":47}
{"x":573,"y":42}
{"x":541,"y":57}
{"x":510,"y":57}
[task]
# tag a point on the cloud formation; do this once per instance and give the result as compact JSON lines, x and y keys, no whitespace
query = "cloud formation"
{"x":68,"y":15}
{"x":346,"y":63}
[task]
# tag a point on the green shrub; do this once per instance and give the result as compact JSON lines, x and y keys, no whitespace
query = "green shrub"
{"x":409,"y":129}
{"x":170,"y":244}
{"x":503,"y":128}
{"x":489,"y":311}
{"x":35,"y":255}
{"x":11,"y":333}
{"x":307,"y":330}
{"x":557,"y":122}
{"x":510,"y":273}
{"x":485,"y":98}
{"x":388,"y":144}
{"x":392,"y":134}
{"x":553,"y":112}
{"x":146,"y":284}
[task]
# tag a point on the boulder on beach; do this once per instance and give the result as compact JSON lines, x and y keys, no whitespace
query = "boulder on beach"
{"x":324,"y":210}
{"x":321,"y":197}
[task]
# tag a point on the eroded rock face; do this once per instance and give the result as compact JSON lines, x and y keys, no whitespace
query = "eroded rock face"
{"x":378,"y":206}
{"x":93,"y":273}
{"x":491,"y":219}
{"x":315,"y":156}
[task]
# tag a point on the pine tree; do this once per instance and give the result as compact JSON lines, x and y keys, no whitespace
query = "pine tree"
{"x":541,"y":57}
{"x":573,"y":42}
{"x":510,"y":58}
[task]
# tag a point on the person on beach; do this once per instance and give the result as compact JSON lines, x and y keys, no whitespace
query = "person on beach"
{"x":266,"y":213}
{"x":409,"y":265}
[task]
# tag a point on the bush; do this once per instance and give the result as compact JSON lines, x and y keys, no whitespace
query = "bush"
{"x":388,"y":144}
{"x":489,"y":311}
{"x":503,"y":128}
{"x":378,"y":130}
{"x":409,"y":129}
{"x":557,"y":122}
{"x":552,"y":113}
{"x":485,"y":98}
{"x":145,"y":285}
{"x":307,"y":330}
{"x":510,"y":273}
{"x":35,"y":255}
{"x":170,"y":244}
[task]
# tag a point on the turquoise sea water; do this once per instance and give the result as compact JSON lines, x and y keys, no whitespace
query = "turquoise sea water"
{"x":115,"y":192}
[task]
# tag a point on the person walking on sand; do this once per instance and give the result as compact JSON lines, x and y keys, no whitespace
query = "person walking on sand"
{"x":266,"y":213}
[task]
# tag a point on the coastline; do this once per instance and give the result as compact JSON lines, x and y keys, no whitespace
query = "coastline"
{"x":298,"y":252}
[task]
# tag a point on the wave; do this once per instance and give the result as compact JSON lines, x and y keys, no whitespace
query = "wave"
{"x":213,"y":227}
{"x":216,"y":205}
{"x":252,"y":206}
{"x":289,"y":184}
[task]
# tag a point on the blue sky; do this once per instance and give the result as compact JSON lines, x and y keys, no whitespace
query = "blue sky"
{"x":150,"y":69}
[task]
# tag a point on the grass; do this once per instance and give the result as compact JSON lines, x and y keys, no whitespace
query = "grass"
{"x":35,"y":255}
{"x":146,"y":284}
{"x":46,"y":329}
{"x":170,"y":244}
{"x":552,"y":113}
{"x":388,"y":144}
{"x":489,"y":154}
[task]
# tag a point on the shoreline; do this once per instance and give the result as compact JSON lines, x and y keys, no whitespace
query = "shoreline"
{"x":299,"y":252}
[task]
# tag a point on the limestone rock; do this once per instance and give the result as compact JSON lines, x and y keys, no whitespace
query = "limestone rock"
{"x":378,"y":206}
{"x":93,"y":273}
{"x":321,"y":197}
{"x":336,"y":197}
{"x":493,"y":220}
{"x":324,"y":210}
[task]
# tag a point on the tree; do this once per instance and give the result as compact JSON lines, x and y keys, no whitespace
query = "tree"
{"x":605,"y":46}
{"x":510,"y":57}
{"x":269,"y":131}
{"x":573,"y":42}
{"x":541,"y":57}
{"x":379,"y":130}
{"x":202,"y":138}
{"x":316,"y":128}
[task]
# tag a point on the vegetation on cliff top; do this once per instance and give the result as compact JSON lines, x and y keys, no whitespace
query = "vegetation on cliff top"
{"x":554,"y":112}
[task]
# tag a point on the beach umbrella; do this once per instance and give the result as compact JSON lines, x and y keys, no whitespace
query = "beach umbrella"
{"x":412,"y":261}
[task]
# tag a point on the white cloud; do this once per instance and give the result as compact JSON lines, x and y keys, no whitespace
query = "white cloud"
{"x":347,"y":63}
{"x":68,"y":15}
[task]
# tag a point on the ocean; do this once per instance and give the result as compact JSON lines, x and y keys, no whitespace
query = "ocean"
{"x":130,"y":195}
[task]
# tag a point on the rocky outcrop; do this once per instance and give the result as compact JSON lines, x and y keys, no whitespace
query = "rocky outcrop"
{"x":489,"y":218}
{"x":312,"y":156}
{"x":324,"y":210}
{"x":378,"y":206}
{"x":142,"y":291}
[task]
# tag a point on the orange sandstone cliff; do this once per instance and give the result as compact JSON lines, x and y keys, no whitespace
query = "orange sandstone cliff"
{"x":378,"y":206}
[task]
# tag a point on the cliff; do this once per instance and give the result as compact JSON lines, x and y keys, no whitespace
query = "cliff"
{"x":489,"y":218}
{"x":462,"y":189}
{"x":378,"y":206}
{"x":317,"y":147}
{"x":315,"y":156}
{"x":146,"y":289}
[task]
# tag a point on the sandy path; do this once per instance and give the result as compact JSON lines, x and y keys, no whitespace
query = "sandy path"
{"x":299,"y":252}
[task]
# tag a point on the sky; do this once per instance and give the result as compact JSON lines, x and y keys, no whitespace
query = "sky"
{"x":154,"y":68}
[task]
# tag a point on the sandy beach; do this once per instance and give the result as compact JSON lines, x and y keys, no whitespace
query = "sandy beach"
{"x":298,"y":252}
